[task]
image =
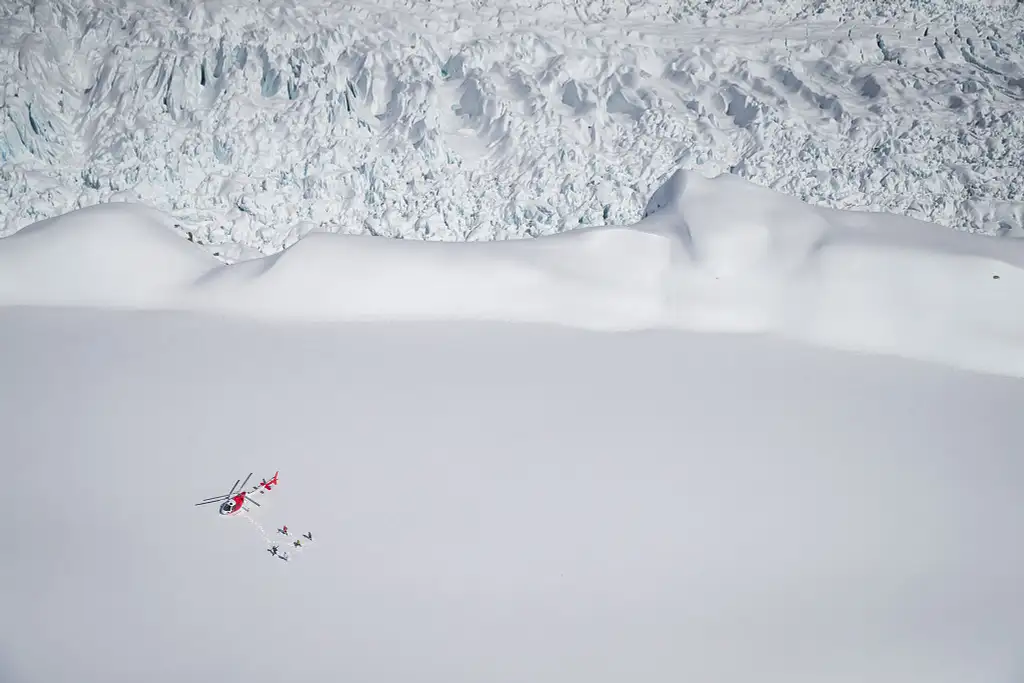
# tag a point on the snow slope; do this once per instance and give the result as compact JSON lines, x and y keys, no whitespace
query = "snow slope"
{"x":254,"y":123}
{"x":496,"y":503}
{"x":711,"y":255}
{"x":109,"y":255}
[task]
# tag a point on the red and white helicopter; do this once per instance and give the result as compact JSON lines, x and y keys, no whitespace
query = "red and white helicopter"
{"x":234,"y":500}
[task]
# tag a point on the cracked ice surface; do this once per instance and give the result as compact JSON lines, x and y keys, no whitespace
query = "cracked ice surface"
{"x":255,"y":123}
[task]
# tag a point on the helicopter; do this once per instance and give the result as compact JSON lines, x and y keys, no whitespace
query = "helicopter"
{"x":234,"y":500}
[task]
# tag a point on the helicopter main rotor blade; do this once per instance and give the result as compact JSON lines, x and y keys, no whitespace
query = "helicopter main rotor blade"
{"x":232,"y":491}
{"x":246,"y":481}
{"x":253,"y":502}
{"x":207,"y":502}
{"x":221,"y":497}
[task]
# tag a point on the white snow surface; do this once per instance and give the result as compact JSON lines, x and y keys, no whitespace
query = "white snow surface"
{"x":596,"y":494}
{"x":714,"y":255}
{"x":108,"y":255}
{"x":499,"y":503}
{"x":253,"y":123}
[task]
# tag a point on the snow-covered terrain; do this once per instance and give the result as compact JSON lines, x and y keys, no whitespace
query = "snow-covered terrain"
{"x":499,"y":503}
{"x":720,"y":430}
{"x":255,"y":122}
{"x":710,"y":255}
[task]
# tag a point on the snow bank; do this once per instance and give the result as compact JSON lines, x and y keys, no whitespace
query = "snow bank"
{"x":605,"y":278}
{"x":756,"y":260}
{"x":110,"y":255}
{"x":710,"y":254}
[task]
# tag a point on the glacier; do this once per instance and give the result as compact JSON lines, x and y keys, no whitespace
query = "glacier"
{"x":254,"y":124}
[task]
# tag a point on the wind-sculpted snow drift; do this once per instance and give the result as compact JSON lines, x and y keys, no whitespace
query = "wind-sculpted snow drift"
{"x":710,"y":254}
{"x":109,"y":255}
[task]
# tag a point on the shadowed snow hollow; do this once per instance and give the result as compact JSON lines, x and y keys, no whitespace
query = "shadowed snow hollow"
{"x":710,"y":254}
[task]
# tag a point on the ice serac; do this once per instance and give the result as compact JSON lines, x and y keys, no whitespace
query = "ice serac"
{"x":106,"y":256}
{"x":426,"y":120}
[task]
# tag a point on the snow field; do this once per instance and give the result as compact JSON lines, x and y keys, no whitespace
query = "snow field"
{"x":499,"y":503}
{"x":524,"y":502}
{"x":255,"y":123}
{"x":716,"y":255}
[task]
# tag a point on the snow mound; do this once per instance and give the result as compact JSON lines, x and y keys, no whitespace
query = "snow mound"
{"x":599,"y":278}
{"x":110,"y":255}
{"x":712,"y":255}
{"x":756,"y":260}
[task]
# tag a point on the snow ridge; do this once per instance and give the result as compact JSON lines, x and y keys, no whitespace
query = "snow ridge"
{"x":254,"y":124}
{"x":717,"y":254}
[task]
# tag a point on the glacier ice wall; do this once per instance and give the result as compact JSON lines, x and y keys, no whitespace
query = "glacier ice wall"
{"x":254,"y":123}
